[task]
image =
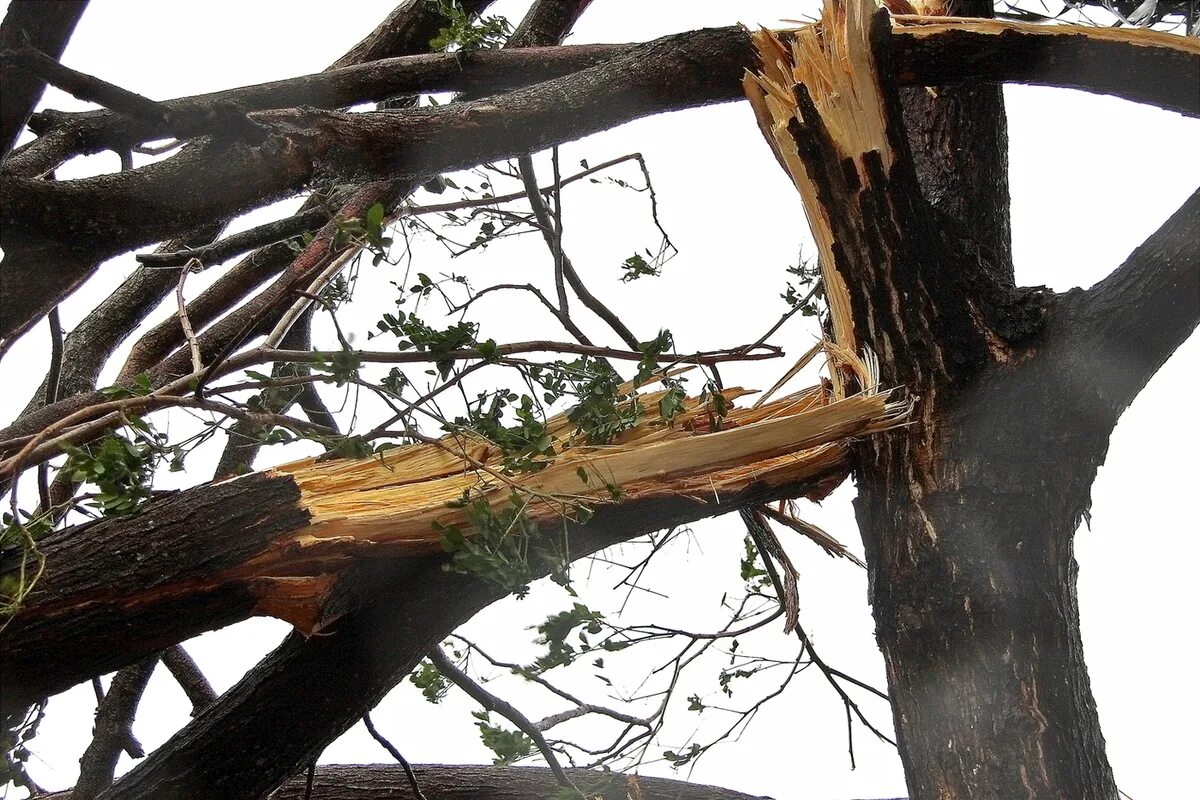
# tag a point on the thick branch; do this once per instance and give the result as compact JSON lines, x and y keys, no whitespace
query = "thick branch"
{"x":958,"y":137}
{"x":1126,"y":326}
{"x":116,"y":212}
{"x":46,"y":26}
{"x":113,"y":730}
{"x":212,"y":555}
{"x":481,"y":73}
{"x":469,"y":782}
{"x":1140,"y":65}
{"x":387,"y":782}
{"x":309,"y":690}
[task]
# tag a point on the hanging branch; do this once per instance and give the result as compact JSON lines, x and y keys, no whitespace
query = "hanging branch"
{"x":491,"y":702}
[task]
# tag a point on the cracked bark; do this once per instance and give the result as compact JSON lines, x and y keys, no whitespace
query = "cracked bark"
{"x":968,"y":514}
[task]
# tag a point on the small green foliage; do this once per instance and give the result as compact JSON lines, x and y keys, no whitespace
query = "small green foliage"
{"x":796,"y":293}
{"x":414,"y":333}
{"x":754,"y":575}
{"x":651,"y":351}
{"x":555,"y":631}
{"x":394,"y":382}
{"x":637,"y":267}
{"x":526,"y":446}
{"x":716,"y":405}
{"x":121,"y":468}
{"x":672,"y":403}
{"x":728,"y":675}
{"x":14,"y":747}
{"x":695,"y":703}
{"x":343,"y":366}
{"x":431,"y":683}
{"x":336,"y":292}
{"x":462,"y":34}
{"x":140,"y":388}
{"x":500,"y":548}
{"x":367,"y":232}
{"x":13,"y":532}
{"x":509,"y":746}
{"x":682,"y":759}
{"x":602,"y":411}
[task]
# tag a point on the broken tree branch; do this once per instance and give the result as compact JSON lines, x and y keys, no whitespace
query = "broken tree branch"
{"x":46,"y":26}
{"x":117,"y":212}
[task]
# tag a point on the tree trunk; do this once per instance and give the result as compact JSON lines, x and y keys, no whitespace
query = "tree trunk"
{"x":968,"y":514}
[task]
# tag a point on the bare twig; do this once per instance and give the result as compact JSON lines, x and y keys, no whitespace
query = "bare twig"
{"x":408,"y":772}
{"x":52,"y":381}
{"x":491,"y":702}
{"x":563,"y":264}
{"x":754,"y":527}
{"x":184,"y":322}
{"x":238,"y":243}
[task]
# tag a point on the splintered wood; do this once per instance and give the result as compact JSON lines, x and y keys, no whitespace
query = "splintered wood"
{"x":391,"y":503}
{"x":822,"y":74}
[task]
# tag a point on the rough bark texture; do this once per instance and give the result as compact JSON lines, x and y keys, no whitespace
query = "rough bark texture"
{"x":164,"y":546}
{"x":302,"y":146}
{"x":46,"y":26}
{"x":470,"y":782}
{"x":968,"y":517}
{"x":958,"y":135}
{"x":302,"y":696}
{"x":968,"y":514}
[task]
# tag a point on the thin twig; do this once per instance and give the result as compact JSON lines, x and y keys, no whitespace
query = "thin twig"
{"x":753,"y":527}
{"x":491,"y":702}
{"x":546,"y":224}
{"x":184,"y":322}
{"x":408,"y":771}
{"x":53,"y":377}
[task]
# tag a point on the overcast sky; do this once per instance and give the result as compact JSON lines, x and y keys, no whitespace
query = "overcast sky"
{"x":1091,"y":177}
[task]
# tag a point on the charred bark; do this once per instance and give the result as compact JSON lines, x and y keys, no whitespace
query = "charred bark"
{"x":968,"y":515}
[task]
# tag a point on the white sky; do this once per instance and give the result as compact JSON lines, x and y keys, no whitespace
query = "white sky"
{"x":1091,"y":177}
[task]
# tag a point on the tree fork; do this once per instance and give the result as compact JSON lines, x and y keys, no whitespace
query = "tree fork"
{"x":968,"y":514}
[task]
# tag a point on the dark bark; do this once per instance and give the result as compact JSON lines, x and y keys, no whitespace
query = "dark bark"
{"x":407,"y":29}
{"x":968,"y":516}
{"x":162,"y":551}
{"x":218,"y":113}
{"x":302,"y":696}
{"x":113,"y":732}
{"x":1048,"y":56}
{"x":88,"y":346}
{"x":446,"y":782}
{"x":973,"y":578}
{"x":46,"y":26}
{"x":1127,"y":325}
{"x":469,"y":782}
{"x":187,"y":674}
{"x":958,"y":135}
{"x":115,"y":213}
